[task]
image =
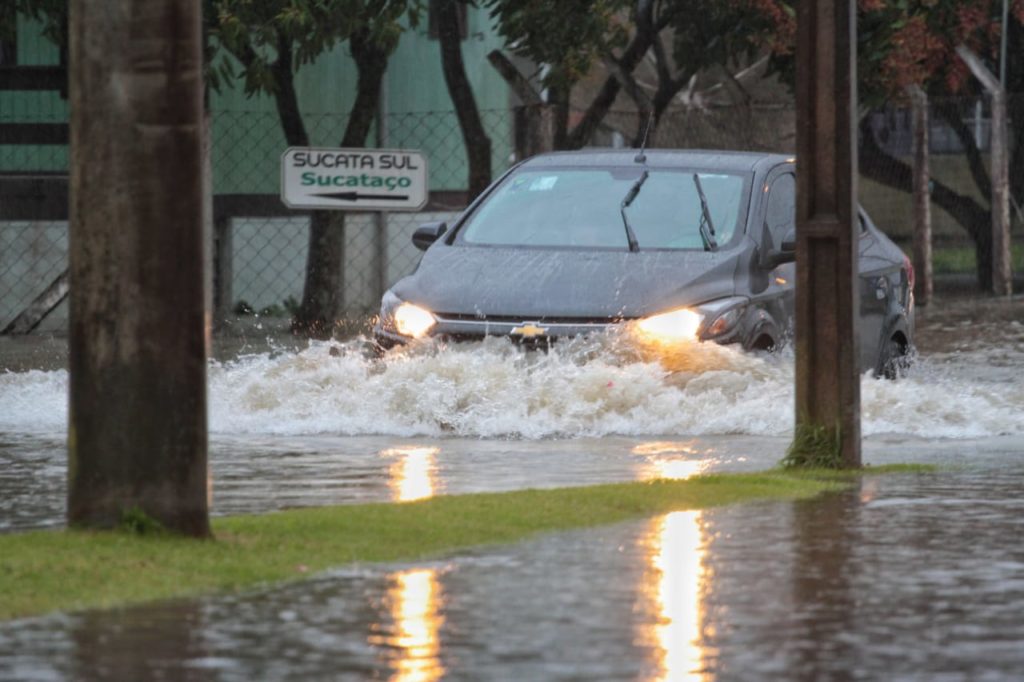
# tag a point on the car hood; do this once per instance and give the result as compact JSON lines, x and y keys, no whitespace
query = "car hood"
{"x":549,"y":283}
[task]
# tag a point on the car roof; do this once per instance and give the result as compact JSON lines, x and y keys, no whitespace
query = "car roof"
{"x":665,"y":158}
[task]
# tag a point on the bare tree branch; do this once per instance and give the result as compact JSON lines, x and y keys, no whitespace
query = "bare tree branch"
{"x":948,"y":112}
{"x":516,"y":80}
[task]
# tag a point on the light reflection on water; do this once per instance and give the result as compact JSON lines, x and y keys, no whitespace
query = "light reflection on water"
{"x":675,"y":460}
{"x":675,"y":583}
{"x":415,"y":600}
{"x":413,"y":475}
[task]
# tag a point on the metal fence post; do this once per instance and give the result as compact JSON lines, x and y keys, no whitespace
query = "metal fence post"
{"x":380,"y":251}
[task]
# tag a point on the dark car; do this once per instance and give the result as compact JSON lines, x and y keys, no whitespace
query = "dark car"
{"x":675,"y":244}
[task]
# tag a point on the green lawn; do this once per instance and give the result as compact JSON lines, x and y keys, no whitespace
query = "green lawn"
{"x":959,"y":260}
{"x":44,"y":571}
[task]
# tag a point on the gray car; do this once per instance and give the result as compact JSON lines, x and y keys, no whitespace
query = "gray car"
{"x":674,"y":244}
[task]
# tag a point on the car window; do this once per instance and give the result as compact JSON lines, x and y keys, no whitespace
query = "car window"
{"x":581,"y":208}
{"x":781,"y":210}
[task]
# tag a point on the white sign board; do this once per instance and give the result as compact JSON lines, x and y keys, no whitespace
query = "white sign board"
{"x":354,"y":179}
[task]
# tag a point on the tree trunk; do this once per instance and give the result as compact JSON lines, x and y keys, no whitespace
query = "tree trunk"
{"x":322,"y":296}
{"x":558,"y":96}
{"x":602,"y":103}
{"x":285,"y":99}
{"x":137,"y":428}
{"x":478,"y":144}
{"x":534,"y":130}
{"x":892,"y":172}
{"x":922,"y":242}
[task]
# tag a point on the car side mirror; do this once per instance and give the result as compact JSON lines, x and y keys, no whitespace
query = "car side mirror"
{"x":428,"y":233}
{"x":789,"y":242}
{"x":786,"y":253}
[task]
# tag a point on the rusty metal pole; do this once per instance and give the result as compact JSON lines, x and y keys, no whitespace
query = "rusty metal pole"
{"x":827,"y":378}
{"x":923,"y":286}
{"x":137,"y":431}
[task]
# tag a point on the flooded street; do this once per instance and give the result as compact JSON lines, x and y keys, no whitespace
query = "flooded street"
{"x":908,"y":577}
{"x":325,"y":425}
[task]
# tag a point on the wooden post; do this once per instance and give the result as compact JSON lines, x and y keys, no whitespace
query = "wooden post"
{"x":827,"y":377}
{"x":1002,"y":278}
{"x":137,"y":431}
{"x":223,"y":268}
{"x":922,"y":197}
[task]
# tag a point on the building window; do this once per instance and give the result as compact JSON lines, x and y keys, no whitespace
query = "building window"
{"x":432,"y":32}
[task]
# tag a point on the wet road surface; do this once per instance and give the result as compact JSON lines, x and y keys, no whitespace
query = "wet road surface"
{"x":909,"y":577}
{"x":254,"y":475}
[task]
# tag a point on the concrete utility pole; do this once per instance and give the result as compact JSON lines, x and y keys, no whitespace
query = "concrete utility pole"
{"x":827,"y":378}
{"x":922,"y":197}
{"x":137,"y":432}
{"x":1002,"y":279}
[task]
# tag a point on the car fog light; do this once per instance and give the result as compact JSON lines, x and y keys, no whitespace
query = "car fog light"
{"x":412,"y":320}
{"x":723,"y":323}
{"x":677,"y":325}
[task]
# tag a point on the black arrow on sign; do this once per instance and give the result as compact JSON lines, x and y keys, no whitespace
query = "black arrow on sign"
{"x":355,"y":196}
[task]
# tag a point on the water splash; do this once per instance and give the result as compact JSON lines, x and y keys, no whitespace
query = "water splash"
{"x":589,"y":387}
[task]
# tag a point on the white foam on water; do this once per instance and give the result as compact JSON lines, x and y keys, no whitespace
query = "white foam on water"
{"x":584,"y":388}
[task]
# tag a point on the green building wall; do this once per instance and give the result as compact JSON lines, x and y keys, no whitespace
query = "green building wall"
{"x":247,"y":136}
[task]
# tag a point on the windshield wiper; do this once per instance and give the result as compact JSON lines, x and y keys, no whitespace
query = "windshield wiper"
{"x":630,"y":196}
{"x":707,"y":228}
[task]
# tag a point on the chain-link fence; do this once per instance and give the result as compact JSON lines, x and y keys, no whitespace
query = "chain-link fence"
{"x":260,"y":247}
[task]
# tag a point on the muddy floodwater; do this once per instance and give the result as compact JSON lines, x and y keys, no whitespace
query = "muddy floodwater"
{"x":907,"y":577}
{"x":320,"y":423}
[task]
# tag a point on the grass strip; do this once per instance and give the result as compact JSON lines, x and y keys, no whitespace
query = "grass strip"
{"x":961,"y":260}
{"x":45,"y":571}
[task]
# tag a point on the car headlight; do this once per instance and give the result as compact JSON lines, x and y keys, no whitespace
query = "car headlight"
{"x":412,"y":320}
{"x":675,"y":325}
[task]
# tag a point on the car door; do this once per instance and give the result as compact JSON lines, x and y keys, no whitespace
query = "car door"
{"x":875,"y":284}
{"x":772,"y":289}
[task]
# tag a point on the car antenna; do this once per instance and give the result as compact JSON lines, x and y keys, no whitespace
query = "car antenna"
{"x":641,"y":157}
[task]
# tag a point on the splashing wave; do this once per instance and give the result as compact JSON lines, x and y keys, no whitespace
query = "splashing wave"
{"x":591,"y":387}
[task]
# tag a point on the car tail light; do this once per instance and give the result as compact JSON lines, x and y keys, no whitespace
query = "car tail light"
{"x":908,"y":267}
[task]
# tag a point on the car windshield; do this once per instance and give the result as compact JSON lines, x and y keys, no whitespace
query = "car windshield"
{"x":581,"y":208}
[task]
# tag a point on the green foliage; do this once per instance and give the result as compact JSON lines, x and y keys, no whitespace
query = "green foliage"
{"x":567,"y":36}
{"x":707,"y":33}
{"x":52,"y":13}
{"x":138,"y":522}
{"x":814,"y":446}
{"x":902,"y":42}
{"x":291,"y":304}
{"x":243,"y":307}
{"x":962,"y":260}
{"x":265,"y":35}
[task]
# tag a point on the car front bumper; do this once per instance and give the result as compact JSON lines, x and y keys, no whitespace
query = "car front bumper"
{"x":527,"y":332}
{"x":533,"y":331}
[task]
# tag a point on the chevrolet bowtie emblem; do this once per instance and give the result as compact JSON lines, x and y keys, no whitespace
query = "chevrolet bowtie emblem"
{"x":529,"y":330}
